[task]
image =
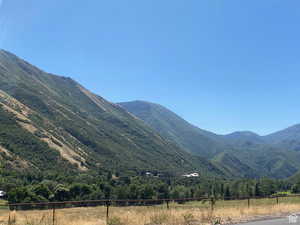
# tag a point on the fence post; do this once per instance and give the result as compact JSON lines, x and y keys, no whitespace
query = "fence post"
{"x":277,"y":200}
{"x":53,"y":214}
{"x":107,"y":211}
{"x":248,"y":202}
{"x":9,"y":219}
{"x":212,"y":204}
{"x":168,"y":204}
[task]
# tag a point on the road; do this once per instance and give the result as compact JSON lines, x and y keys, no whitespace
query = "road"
{"x":281,"y":221}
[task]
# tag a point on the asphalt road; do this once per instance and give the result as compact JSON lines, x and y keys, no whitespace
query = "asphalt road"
{"x":281,"y":221}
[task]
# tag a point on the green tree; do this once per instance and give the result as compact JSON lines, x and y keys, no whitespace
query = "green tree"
{"x":62,"y":193}
{"x":227,"y":194}
{"x":42,"y":190}
{"x":80,"y":191}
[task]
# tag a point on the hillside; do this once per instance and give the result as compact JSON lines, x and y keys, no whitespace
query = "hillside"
{"x":49,"y":122}
{"x":288,"y":138}
{"x":243,"y":138}
{"x":173,"y":127}
{"x":232,"y":165}
{"x":52,"y":123}
{"x":242,"y":153}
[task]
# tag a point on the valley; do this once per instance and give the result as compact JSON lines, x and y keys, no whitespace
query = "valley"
{"x":61,"y":142}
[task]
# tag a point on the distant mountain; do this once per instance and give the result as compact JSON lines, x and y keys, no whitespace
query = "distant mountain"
{"x":267,"y":160}
{"x":173,"y":127}
{"x":242,"y":153}
{"x":288,"y":138}
{"x":232,"y":165}
{"x":247,"y":135}
{"x":52,"y":123}
{"x":243,"y":138}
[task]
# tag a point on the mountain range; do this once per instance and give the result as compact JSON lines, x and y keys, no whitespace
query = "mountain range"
{"x":51,"y":123}
{"x":244,"y":152}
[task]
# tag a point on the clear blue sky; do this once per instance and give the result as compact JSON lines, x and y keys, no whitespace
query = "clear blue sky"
{"x":223,"y":65}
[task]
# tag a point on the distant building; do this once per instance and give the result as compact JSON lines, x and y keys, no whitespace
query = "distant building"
{"x":191,"y":175}
{"x":2,"y":194}
{"x":149,"y":174}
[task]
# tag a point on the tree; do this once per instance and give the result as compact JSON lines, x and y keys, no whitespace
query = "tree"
{"x":147,"y":192}
{"x":42,"y":190}
{"x":80,"y":191}
{"x":133,"y":191}
{"x":227,"y":194}
{"x":61,"y":193}
{"x":296,"y":188}
{"x":257,"y":191}
{"x":163,"y":191}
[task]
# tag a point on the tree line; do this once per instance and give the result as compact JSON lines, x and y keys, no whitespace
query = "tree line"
{"x":36,"y":188}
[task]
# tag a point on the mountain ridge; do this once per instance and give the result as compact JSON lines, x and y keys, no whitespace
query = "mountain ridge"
{"x":255,"y":155}
{"x":55,"y":117}
{"x":172,"y":126}
{"x":79,"y":129}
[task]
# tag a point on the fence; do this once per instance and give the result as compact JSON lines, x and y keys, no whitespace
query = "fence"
{"x":107,"y":203}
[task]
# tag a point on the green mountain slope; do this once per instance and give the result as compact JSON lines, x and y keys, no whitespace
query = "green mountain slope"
{"x":173,"y":127}
{"x":288,"y":138}
{"x":268,"y":161}
{"x":232,"y":165}
{"x":243,"y":138}
{"x":243,"y":154}
{"x":52,"y":122}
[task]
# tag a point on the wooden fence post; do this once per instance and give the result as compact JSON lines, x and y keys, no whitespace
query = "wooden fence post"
{"x":9,"y":219}
{"x":277,"y":200}
{"x":168,"y":204}
{"x":107,"y":211}
{"x":53,"y":214}
{"x":248,"y":202}
{"x":212,"y":201}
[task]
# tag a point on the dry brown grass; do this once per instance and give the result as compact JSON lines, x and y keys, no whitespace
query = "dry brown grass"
{"x":194,"y":213}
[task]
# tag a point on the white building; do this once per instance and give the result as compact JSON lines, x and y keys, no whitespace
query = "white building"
{"x":149,"y":174}
{"x":2,"y":194}
{"x":191,"y":175}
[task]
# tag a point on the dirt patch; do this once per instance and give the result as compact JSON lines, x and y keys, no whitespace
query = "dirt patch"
{"x":66,"y":152}
{"x":2,"y":149}
{"x":12,"y":104}
{"x":21,"y":111}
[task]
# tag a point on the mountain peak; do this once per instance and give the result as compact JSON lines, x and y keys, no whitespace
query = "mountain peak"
{"x":243,"y":133}
{"x":289,"y":134}
{"x":65,"y":126}
{"x":175,"y":128}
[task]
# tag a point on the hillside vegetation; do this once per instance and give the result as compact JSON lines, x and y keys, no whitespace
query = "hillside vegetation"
{"x":59,"y":141}
{"x":173,"y":127}
{"x":241,"y":154}
{"x":53,"y":123}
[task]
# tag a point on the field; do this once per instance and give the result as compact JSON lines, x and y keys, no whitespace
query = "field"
{"x":192,"y":213}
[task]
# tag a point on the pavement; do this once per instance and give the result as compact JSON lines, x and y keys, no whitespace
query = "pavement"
{"x":293,"y":219}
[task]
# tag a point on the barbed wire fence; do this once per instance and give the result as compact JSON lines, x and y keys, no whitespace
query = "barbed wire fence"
{"x":108,"y":203}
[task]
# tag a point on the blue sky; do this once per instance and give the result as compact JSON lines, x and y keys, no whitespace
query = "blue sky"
{"x":223,"y":65}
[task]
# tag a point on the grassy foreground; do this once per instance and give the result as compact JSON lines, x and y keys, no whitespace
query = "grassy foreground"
{"x":193,"y":213}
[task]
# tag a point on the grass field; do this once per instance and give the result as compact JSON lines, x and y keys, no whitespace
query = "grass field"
{"x":192,"y":213}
